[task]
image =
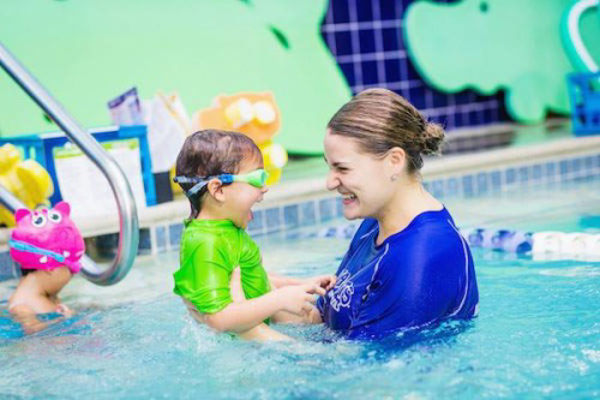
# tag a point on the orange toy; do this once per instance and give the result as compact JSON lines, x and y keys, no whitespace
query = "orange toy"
{"x":254,"y":114}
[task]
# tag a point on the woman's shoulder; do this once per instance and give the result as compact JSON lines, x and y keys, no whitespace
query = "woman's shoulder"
{"x":430,"y":235}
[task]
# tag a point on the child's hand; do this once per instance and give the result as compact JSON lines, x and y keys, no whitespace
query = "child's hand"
{"x":64,"y":310}
{"x":299,"y":299}
{"x":324,"y":281}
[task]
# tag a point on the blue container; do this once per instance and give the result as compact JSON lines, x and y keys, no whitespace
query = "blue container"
{"x":584,"y":93}
{"x":40,"y":147}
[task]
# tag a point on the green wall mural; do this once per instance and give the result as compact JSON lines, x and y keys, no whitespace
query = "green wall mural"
{"x":492,"y":45}
{"x":86,"y":53}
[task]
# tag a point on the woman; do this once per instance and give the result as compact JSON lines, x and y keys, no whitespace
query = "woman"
{"x":407,"y":265}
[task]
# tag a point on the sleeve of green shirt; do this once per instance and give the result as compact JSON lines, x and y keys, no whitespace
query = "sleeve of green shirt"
{"x":204,"y":280}
{"x":255,"y":281}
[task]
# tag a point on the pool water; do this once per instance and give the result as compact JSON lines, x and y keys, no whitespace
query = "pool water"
{"x":537,"y":335}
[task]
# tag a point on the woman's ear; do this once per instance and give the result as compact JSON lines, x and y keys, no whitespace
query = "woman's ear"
{"x":396,"y":160}
{"x":215,"y":188}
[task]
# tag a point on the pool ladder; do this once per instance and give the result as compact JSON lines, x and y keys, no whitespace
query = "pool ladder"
{"x":128,"y":218}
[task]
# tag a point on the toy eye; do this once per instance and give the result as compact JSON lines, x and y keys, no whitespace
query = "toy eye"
{"x":38,"y":220}
{"x":54,"y":217}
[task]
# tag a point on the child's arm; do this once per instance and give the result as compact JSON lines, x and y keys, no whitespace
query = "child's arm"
{"x":263,"y":332}
{"x":282,"y":317}
{"x":243,"y":316}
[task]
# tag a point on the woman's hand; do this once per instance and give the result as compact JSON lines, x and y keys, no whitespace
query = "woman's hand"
{"x":299,"y":299}
{"x":324,"y":281}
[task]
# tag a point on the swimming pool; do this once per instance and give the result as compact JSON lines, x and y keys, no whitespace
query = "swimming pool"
{"x":537,"y":334}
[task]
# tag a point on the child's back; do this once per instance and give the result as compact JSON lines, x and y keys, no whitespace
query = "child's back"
{"x":210,"y":251}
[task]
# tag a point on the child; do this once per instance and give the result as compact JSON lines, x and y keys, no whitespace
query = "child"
{"x":47,"y":245}
{"x":222,"y":176}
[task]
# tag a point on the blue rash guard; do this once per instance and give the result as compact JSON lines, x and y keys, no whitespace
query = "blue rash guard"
{"x":419,"y":276}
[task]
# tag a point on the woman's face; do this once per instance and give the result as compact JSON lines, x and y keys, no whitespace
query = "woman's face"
{"x":362,"y":179}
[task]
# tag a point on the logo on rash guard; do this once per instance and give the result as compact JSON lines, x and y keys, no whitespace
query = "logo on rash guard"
{"x":342,"y":293}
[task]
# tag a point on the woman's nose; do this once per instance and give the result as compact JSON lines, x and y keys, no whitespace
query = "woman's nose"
{"x":332,"y":181}
{"x":264,"y":189}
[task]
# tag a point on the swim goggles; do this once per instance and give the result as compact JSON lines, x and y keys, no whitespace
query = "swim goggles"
{"x":257,"y":178}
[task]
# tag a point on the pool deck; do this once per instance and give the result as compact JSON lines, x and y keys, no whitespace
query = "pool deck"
{"x":305,"y":178}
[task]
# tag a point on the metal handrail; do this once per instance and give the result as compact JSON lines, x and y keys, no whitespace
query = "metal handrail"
{"x":128,"y":218}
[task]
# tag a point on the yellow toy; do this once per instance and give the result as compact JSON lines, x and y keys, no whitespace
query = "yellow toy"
{"x":27,"y":180}
{"x":254,"y":114}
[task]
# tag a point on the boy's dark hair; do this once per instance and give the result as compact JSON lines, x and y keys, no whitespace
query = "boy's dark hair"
{"x":212,"y":152}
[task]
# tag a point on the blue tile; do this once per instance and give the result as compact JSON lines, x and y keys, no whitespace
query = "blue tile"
{"x":536,"y":172}
{"x":107,"y":245}
{"x":452,"y":187}
{"x":326,"y":209}
{"x":495,"y":180}
{"x":437,"y":188}
{"x":144,"y":244}
{"x":291,"y":216}
{"x":175,"y":231}
{"x":467,"y":183}
{"x":482,"y":183}
{"x":510,"y":176}
{"x":6,"y":267}
{"x":354,"y":46}
{"x":339,"y":207}
{"x":551,"y":170}
{"x":597,"y":161}
{"x":563,"y":167}
{"x":577,"y":164}
{"x":273,"y":219}
{"x":427,"y":186}
{"x":588,"y":163}
{"x":161,"y":237}
{"x":523,"y":174}
{"x":257,"y":222}
{"x":307,"y":213}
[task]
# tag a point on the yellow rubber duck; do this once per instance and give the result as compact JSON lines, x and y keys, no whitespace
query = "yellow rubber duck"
{"x":27,"y":180}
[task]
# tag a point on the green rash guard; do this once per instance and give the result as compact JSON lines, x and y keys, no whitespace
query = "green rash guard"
{"x":210,"y":251}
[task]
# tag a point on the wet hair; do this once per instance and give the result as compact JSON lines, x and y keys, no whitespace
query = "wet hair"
{"x":380,"y":120}
{"x":212,"y":152}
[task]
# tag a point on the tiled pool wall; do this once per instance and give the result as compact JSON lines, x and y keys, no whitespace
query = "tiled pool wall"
{"x":308,"y":212}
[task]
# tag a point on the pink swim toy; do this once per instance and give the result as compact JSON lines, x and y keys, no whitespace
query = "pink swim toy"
{"x":46,"y":239}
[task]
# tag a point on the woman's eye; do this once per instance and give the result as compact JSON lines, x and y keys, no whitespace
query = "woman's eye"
{"x":38,"y":220}
{"x":54,"y":217}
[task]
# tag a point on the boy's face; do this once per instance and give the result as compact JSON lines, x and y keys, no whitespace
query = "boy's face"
{"x":241,"y":196}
